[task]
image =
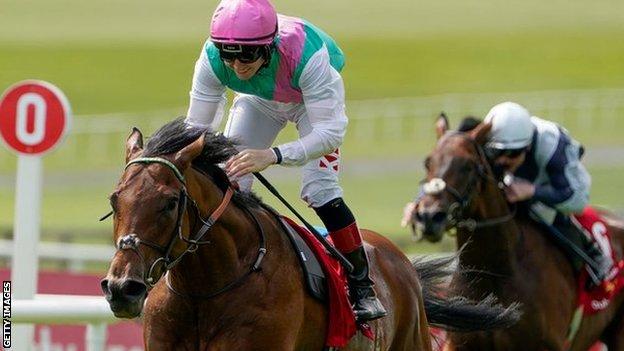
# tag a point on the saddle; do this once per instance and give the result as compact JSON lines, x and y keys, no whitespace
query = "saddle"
{"x":325,"y":279}
{"x":588,"y":228}
{"x":313,"y":274}
{"x":598,"y":298}
{"x":580,"y":241}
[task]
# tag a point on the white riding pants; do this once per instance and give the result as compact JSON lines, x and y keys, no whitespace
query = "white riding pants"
{"x":255,"y":123}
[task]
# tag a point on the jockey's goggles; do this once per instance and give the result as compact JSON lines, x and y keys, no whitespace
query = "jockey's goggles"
{"x":243,"y":53}
{"x":509,"y":153}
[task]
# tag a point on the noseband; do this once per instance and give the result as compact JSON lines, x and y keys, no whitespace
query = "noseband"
{"x":132,"y":241}
{"x":457,"y":208}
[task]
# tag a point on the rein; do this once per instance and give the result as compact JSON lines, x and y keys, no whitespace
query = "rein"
{"x":132,"y":241}
{"x":436,"y":186}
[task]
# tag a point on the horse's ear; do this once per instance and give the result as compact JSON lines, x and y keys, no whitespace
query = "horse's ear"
{"x":134,"y":144}
{"x":184,"y":157}
{"x":481,"y":133}
{"x":441,"y":125}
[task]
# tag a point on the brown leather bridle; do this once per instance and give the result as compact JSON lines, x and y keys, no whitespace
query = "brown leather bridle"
{"x":132,"y":241}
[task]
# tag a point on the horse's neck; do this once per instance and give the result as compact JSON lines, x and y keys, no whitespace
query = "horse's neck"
{"x":233,"y":244}
{"x":490,"y":248}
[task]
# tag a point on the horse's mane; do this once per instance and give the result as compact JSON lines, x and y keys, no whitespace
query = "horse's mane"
{"x":175,"y":135}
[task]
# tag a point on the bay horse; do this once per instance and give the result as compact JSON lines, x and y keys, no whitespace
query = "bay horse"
{"x":506,"y":253}
{"x":210,"y":268}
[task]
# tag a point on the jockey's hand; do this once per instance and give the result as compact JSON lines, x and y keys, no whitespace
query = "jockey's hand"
{"x":519,"y":190}
{"x":249,"y":161}
{"x":408,"y":214}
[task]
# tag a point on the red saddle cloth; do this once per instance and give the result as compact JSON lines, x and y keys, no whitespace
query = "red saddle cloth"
{"x":341,"y":326}
{"x":598,"y":298}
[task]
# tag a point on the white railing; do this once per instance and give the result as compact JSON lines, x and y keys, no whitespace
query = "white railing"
{"x":572,"y":107}
{"x":578,"y":110}
{"x":76,"y":254}
{"x":66,"y":309}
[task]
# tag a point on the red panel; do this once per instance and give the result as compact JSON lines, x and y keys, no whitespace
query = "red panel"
{"x":123,"y":336}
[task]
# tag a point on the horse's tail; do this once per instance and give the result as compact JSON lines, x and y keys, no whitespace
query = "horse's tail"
{"x":458,"y":313}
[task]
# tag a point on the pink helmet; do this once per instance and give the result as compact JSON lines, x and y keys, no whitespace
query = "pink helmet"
{"x":246,"y":22}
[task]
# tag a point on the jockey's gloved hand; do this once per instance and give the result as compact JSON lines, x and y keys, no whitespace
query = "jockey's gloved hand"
{"x":249,"y":161}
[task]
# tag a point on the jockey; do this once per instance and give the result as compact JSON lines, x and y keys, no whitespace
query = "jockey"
{"x":283,"y":69}
{"x":545,"y":163}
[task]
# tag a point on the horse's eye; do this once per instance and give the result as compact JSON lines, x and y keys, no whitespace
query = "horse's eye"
{"x":467,"y":168}
{"x":113,"y":201}
{"x":171,"y":205}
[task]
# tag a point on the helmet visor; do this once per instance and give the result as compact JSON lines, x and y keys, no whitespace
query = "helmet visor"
{"x":242,"y":53}
{"x":494,"y":153}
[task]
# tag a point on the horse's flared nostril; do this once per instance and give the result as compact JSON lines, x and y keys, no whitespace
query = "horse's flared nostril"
{"x":430,"y":218}
{"x":438,"y":217}
{"x":133,"y":289}
{"x":123,"y":290}
{"x":105,"y":288}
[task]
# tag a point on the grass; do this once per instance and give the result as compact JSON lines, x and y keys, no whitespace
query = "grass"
{"x":137,"y":56}
{"x":127,"y":77}
{"x":143,"y":21}
{"x":148,"y":77}
{"x":376,"y":200}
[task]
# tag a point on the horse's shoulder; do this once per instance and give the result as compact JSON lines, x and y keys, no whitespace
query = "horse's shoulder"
{"x":534,"y":241}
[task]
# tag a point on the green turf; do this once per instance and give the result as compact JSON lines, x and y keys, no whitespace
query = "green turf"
{"x":149,"y":77}
{"x":377,"y":202}
{"x":137,"y":56}
{"x":161,"y":20}
{"x":142,"y":77}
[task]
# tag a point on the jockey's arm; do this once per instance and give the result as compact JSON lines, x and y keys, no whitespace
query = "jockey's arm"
{"x":207,"y":96}
{"x":324,"y":99}
{"x":565,"y":192}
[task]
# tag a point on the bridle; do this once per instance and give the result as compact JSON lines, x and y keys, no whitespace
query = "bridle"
{"x":132,"y":242}
{"x":456,"y":210}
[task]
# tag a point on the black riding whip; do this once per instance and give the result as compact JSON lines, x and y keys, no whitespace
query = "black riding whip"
{"x":332,"y":250}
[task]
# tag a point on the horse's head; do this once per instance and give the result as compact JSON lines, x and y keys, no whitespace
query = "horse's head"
{"x":151,"y":208}
{"x":455,"y":171}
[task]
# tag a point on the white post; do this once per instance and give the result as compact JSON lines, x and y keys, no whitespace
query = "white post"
{"x":24,"y":263}
{"x":45,"y":339}
{"x":96,"y":337}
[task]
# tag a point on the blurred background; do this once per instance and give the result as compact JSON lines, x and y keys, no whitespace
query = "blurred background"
{"x":129,"y":63}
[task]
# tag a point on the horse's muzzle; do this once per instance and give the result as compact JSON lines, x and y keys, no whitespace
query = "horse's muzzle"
{"x":431,"y":223}
{"x":125,"y":297}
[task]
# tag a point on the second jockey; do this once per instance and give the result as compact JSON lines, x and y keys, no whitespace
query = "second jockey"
{"x":545,"y":163}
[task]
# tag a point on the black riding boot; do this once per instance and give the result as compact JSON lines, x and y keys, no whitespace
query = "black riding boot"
{"x":347,"y":238}
{"x":367,"y":306}
{"x":603,"y":264}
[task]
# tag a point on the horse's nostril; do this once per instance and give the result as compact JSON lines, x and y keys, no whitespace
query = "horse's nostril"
{"x":133,"y":288}
{"x":105,"y":288}
{"x":438,"y":217}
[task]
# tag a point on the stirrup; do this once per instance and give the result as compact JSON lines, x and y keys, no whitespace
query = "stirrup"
{"x":370,"y":309}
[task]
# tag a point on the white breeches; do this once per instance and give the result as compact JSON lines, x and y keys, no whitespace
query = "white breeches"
{"x":255,"y":123}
